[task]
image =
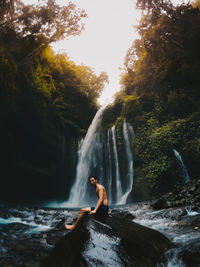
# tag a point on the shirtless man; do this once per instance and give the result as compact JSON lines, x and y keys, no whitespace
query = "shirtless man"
{"x":101,"y":208}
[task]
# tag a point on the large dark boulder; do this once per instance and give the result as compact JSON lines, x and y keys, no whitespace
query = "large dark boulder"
{"x":191,"y":254}
{"x":111,"y":241}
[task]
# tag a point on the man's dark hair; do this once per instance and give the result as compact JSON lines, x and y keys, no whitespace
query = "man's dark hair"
{"x":92,"y":176}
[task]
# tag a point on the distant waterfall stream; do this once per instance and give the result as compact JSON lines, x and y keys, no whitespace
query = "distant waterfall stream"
{"x":128,"y":134}
{"x":98,"y":155}
{"x":184,"y":172}
{"x":118,"y":189}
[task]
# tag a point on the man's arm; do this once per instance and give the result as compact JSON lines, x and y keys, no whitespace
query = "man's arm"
{"x":100,"y":194}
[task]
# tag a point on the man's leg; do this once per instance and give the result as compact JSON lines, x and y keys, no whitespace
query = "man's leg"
{"x":82,"y":212}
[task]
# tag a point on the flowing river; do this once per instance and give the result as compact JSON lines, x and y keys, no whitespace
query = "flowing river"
{"x":25,"y":223}
{"x":98,"y":154}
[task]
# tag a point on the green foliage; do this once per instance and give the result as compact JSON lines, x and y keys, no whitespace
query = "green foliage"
{"x":8,"y":89}
{"x":119,"y":136}
{"x":160,"y":93}
{"x":46,"y":101}
{"x":47,"y":21}
{"x":166,"y":58}
{"x":196,"y":4}
{"x":111,"y":112}
{"x":8,"y":72}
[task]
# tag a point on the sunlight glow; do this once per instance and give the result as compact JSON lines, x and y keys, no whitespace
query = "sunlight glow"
{"x":107,"y":36}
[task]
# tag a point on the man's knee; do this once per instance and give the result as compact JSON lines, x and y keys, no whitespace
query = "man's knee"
{"x":85,"y":210}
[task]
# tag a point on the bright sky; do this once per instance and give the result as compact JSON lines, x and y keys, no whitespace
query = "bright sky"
{"x":107,"y":36}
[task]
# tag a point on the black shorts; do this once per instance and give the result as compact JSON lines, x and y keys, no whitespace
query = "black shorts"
{"x":102,"y":211}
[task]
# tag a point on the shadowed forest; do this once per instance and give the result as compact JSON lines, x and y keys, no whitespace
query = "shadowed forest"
{"x":47,"y":102}
{"x":161,"y":96}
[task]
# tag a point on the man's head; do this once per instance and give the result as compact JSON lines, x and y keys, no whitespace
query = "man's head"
{"x":93,"y":180}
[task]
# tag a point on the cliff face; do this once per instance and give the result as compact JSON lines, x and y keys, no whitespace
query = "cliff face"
{"x":44,"y":111}
{"x":156,"y":168}
{"x":39,"y":152}
{"x":36,"y":169}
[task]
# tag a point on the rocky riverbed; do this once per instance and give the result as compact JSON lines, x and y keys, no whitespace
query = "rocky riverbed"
{"x":32,"y":236}
{"x":37,"y":237}
{"x":187,"y":195}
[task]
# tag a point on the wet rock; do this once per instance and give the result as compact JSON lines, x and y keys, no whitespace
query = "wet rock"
{"x":160,"y":204}
{"x":19,"y":251}
{"x":197,"y":185}
{"x":123,"y":214}
{"x":185,"y":195}
{"x":110,"y":241}
{"x":175,"y":214}
{"x":192,"y":189}
{"x":196,"y":208}
{"x":192,"y":221}
{"x":68,"y":250}
{"x":15,"y":227}
{"x":60,"y":224}
{"x":191,"y":254}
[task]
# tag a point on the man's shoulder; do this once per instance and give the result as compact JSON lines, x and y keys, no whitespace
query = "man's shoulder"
{"x":100,"y":186}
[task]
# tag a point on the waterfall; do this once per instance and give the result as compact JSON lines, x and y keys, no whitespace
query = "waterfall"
{"x":185,"y":175}
{"x":98,"y":155}
{"x":89,"y":158}
{"x":128,"y":134}
{"x":118,"y":190}
{"x":109,"y":167}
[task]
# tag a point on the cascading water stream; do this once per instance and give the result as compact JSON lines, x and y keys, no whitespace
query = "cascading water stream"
{"x":98,"y":155}
{"x":88,"y":159}
{"x":185,"y":175}
{"x":109,"y":172}
{"x":116,"y":161}
{"x":128,"y":134}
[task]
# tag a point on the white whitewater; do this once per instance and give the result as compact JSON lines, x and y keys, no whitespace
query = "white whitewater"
{"x":109,"y":172}
{"x":89,"y":157}
{"x":129,"y":135}
{"x":185,"y":175}
{"x":118,"y":190}
{"x":98,"y":155}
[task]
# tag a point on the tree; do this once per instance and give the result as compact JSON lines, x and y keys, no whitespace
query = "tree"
{"x":91,"y":84}
{"x":167,"y":55}
{"x":43,"y":24}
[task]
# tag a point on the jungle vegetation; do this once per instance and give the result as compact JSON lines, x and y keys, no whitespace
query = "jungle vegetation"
{"x":160,"y":95}
{"x":46,"y":101}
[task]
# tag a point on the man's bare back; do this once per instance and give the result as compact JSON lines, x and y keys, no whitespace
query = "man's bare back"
{"x":101,"y":190}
